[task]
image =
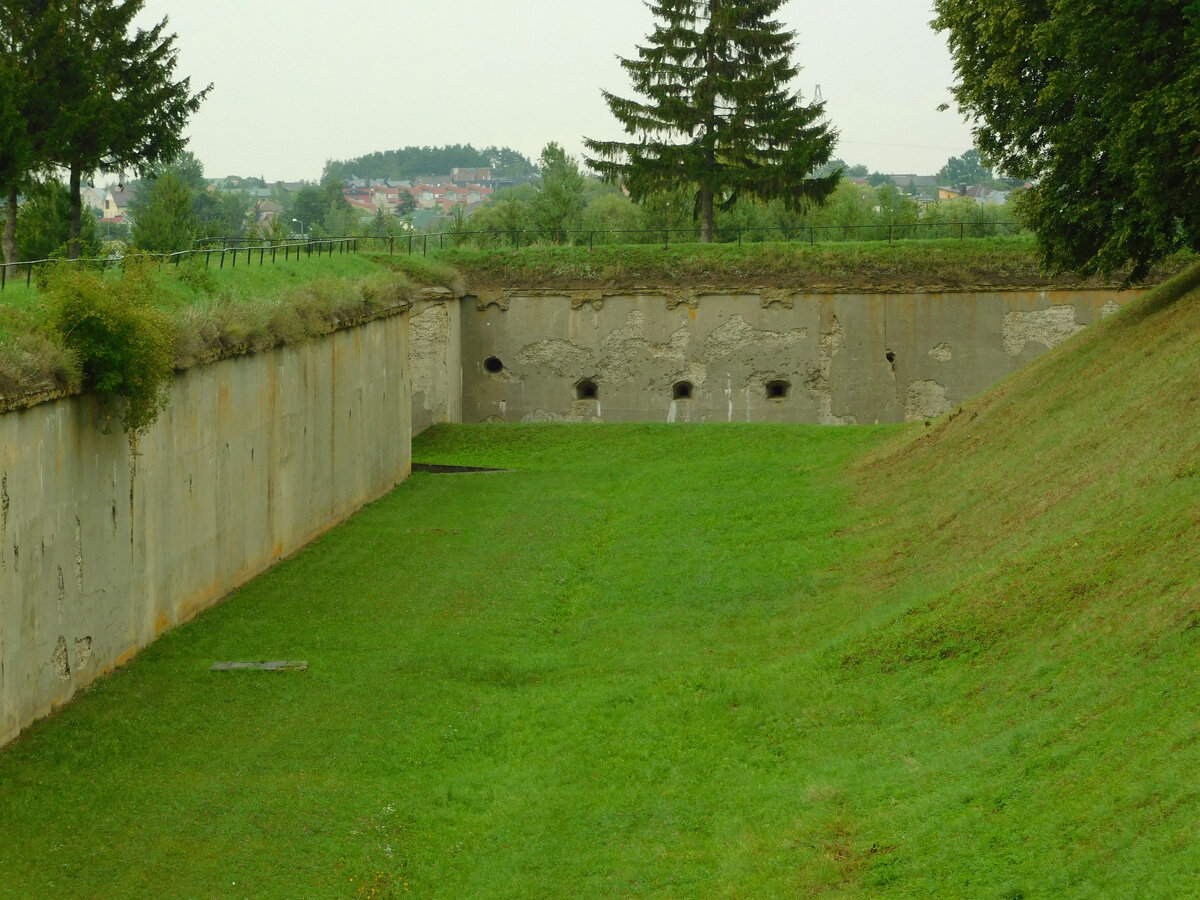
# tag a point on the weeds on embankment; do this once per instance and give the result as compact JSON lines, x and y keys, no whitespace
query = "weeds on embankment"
{"x":125,"y":333}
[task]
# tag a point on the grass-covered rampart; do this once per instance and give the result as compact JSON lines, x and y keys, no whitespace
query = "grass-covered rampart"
{"x":125,"y":332}
{"x":691,"y":661}
{"x":902,"y":266}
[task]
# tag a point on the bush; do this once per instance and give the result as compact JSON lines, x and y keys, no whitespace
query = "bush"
{"x":123,"y":344}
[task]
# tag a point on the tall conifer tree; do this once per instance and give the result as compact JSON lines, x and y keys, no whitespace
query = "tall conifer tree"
{"x":106,"y":97}
{"x":719,"y":116}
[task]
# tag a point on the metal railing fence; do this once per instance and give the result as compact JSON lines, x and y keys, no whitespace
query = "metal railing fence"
{"x":231,"y":250}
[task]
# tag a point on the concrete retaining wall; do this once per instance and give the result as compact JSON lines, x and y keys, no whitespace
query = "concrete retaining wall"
{"x":773,"y":356}
{"x":435,"y":349}
{"x":102,"y":548}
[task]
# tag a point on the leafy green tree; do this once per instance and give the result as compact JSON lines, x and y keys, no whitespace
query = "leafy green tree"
{"x":220,"y":213}
{"x":13,"y":151}
{"x":559,"y":203}
{"x":719,"y":116}
{"x":43,"y":225}
{"x":1095,"y":103}
{"x":164,"y":221}
{"x":965,"y":169}
{"x":509,"y":210}
{"x":308,"y":206}
{"x":407,"y":163}
{"x":27,"y":104}
{"x":613,"y":212}
{"x":115,"y":101}
{"x":877,"y":179}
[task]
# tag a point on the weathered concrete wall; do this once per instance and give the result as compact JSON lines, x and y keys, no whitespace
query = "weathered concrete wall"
{"x":102,"y":549}
{"x":775,"y":356}
{"x":435,"y":352}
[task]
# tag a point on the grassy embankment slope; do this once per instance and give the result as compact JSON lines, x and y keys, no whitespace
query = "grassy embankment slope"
{"x":728,"y":661}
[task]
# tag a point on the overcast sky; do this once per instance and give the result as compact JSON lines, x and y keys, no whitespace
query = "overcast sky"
{"x":297,"y":82}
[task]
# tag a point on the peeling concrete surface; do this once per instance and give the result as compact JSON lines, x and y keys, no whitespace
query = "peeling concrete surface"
{"x":943,"y":352}
{"x":1048,"y":327}
{"x":737,"y":335}
{"x":558,"y":356}
{"x":626,"y":351}
{"x":436,"y":365}
{"x":925,"y":399}
{"x":847,"y":358}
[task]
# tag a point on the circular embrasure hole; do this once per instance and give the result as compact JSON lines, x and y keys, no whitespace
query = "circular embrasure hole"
{"x":493,"y":365}
{"x":586,"y":390}
{"x":682,"y":390}
{"x":778,"y":390}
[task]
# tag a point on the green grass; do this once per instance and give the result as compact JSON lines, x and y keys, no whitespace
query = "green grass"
{"x":711,"y":661}
{"x":577,"y":677}
{"x":913,"y":265}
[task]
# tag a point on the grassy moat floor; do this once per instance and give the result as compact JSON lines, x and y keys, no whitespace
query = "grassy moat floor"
{"x":705,"y":661}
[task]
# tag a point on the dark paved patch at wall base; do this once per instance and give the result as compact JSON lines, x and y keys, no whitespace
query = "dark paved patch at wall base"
{"x":437,"y":469}
{"x":274,"y":665}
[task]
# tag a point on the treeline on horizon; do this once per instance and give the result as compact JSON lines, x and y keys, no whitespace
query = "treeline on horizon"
{"x":407,"y":163}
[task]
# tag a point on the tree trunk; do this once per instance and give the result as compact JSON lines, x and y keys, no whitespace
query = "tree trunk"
{"x":706,"y":216}
{"x":73,"y":247}
{"x":10,"y":227}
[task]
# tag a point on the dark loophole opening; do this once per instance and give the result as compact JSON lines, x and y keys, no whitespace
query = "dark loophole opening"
{"x":681,"y":390}
{"x":586,"y":390}
{"x":891,"y":356}
{"x":493,"y":365}
{"x":778,"y":390}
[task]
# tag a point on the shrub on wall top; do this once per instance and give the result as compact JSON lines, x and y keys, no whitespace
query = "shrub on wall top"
{"x":123,"y":343}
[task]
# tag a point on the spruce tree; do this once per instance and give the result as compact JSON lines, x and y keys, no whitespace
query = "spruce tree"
{"x":719,"y":116}
{"x":110,"y":88}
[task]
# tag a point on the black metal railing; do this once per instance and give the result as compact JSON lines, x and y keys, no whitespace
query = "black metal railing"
{"x":231,"y":250}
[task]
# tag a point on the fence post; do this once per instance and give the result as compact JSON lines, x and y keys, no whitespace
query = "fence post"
{"x":812,"y":235}
{"x":889,"y":233}
{"x":961,"y":231}
{"x":591,"y":237}
{"x":739,"y":231}
{"x":29,"y":275}
{"x":391,"y":244}
{"x":3,"y":275}
{"x":667,"y":239}
{"x":424,"y":245}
